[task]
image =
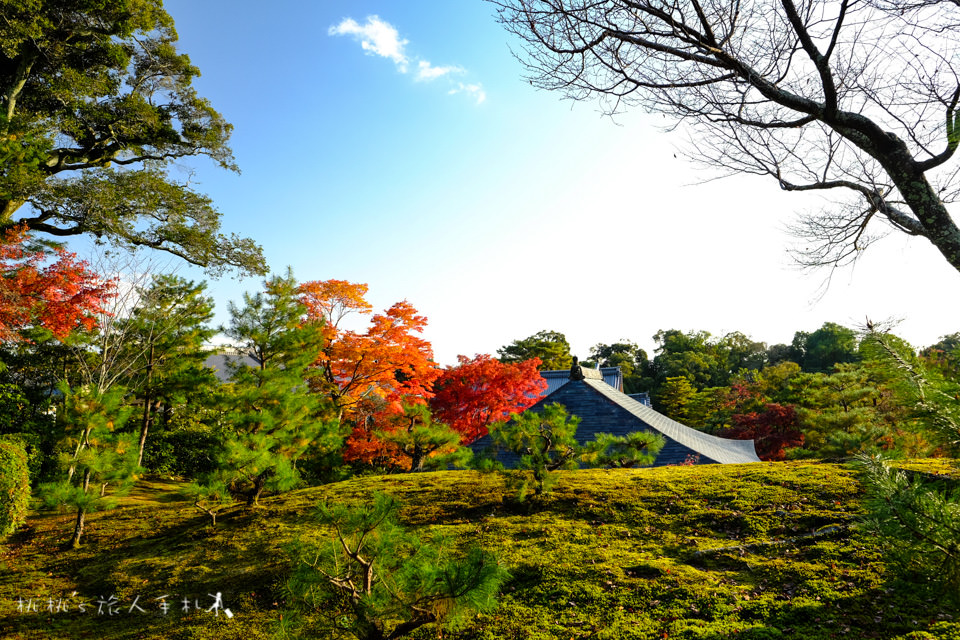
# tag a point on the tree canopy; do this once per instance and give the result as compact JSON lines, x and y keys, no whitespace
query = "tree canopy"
{"x":388,"y":361}
{"x":632,"y":360}
{"x":96,"y":103}
{"x":551,"y":347}
{"x":856,"y":98}
{"x":482,"y":390}
{"x":59,"y":295}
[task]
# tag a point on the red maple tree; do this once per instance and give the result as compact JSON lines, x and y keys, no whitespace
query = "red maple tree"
{"x":386,"y":365}
{"x":60,"y":295}
{"x":362,"y":444}
{"x":482,"y":390}
{"x":773,"y":429}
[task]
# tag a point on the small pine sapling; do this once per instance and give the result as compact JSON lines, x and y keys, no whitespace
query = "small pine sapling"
{"x":210,"y":494}
{"x":376,"y":580}
{"x":425,"y":444}
{"x":98,"y":457}
{"x":546,"y":443}
{"x":635,"y":449}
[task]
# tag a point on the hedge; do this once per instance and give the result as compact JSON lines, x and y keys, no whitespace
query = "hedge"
{"x":14,"y":486}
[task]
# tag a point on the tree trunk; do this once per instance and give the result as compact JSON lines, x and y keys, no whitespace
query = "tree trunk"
{"x":253,"y":498}
{"x":209,"y":512}
{"x":147,"y":407}
{"x":78,"y":527}
{"x":81,"y":514}
{"x":81,"y":444}
{"x":416,"y":459}
{"x":370,"y":631}
{"x":407,"y":627}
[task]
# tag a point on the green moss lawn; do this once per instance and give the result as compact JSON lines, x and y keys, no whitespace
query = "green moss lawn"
{"x":679,"y":552}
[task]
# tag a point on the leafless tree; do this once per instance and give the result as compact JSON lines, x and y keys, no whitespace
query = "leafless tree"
{"x":855,"y":96}
{"x":111,"y":355}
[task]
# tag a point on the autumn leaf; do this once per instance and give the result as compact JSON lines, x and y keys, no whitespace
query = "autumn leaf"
{"x":482,"y":390}
{"x":385,"y":366}
{"x":48,"y":288}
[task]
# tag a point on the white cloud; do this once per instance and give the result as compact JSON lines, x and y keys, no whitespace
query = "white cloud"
{"x":377,"y":37}
{"x":474,"y":90}
{"x":426,"y":71}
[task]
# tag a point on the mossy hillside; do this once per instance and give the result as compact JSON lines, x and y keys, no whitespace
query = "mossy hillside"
{"x":680,"y":552}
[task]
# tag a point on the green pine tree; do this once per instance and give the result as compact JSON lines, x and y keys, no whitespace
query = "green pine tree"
{"x":918,"y":518}
{"x":426,"y":444}
{"x":99,"y":461}
{"x":376,"y":580}
{"x":168,"y":331}
{"x":675,"y":398}
{"x":930,"y":393}
{"x":274,"y":418}
{"x":546,"y":443}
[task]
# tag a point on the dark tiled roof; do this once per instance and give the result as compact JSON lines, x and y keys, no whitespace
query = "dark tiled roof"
{"x":556,"y":378}
{"x":643,"y":398}
{"x":220,"y":363}
{"x":603,"y":409}
{"x":722,"y":450}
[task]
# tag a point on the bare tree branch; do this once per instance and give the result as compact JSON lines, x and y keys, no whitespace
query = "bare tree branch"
{"x":860,"y":96}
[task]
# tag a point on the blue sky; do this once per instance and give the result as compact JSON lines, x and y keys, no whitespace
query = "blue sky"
{"x":397,"y":144}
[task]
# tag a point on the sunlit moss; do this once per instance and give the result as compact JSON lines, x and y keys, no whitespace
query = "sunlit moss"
{"x":690,"y":552}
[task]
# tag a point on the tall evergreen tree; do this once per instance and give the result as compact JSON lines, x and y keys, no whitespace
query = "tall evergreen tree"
{"x":675,"y":398}
{"x":168,"y":330}
{"x":96,"y":105}
{"x":274,"y":418}
{"x":820,"y":351}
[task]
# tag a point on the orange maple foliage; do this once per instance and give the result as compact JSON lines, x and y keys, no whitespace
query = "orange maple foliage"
{"x":482,"y":390}
{"x":331,"y":300}
{"x":389,"y":363}
{"x":61,"y":296}
{"x":363,"y":445}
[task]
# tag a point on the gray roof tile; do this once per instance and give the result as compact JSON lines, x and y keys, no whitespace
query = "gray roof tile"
{"x":603,"y":409}
{"x":723,"y":450}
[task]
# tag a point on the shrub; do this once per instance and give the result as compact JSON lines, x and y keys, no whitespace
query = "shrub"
{"x":189,"y":451}
{"x":918,"y":521}
{"x":14,"y":485}
{"x":546,"y":443}
{"x":375,"y":579}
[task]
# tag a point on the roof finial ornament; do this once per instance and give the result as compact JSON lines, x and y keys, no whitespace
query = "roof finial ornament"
{"x":576,"y":371}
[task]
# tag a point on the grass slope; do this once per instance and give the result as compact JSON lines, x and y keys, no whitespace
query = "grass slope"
{"x":681,"y":552}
